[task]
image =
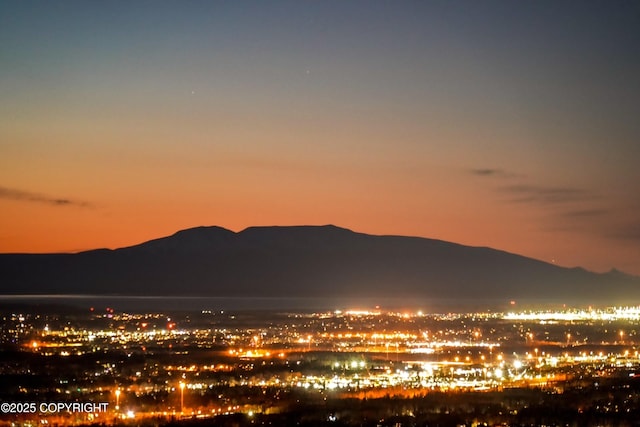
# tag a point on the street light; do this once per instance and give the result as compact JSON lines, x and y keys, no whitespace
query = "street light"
{"x":117,"y":399}
{"x":181,"y":397}
{"x":476,"y":334}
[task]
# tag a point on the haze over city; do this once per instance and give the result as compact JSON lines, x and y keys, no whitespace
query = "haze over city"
{"x":504,"y":124}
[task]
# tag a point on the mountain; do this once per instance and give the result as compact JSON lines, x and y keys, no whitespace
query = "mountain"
{"x":306,"y":261}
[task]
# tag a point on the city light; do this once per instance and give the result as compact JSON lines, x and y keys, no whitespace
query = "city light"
{"x":352,"y":354}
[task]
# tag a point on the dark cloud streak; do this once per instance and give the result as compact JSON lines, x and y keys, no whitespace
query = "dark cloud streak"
{"x":26,"y":196}
{"x":486,"y":172}
{"x":492,"y":172}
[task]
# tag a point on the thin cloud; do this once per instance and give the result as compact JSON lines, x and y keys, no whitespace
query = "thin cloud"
{"x":546,"y":195}
{"x":567,"y":209}
{"x":629,"y":232}
{"x":492,"y":172}
{"x":486,"y":172}
{"x":591,"y":220}
{"x":26,"y":196}
{"x":600,"y":222}
{"x":585,"y":213}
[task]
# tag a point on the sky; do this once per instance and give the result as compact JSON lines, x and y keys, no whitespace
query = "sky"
{"x":513,"y":125}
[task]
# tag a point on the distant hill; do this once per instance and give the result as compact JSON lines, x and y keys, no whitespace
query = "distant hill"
{"x":306,"y":261}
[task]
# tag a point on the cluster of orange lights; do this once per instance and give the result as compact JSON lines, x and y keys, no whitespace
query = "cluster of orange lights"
{"x":254,"y":353}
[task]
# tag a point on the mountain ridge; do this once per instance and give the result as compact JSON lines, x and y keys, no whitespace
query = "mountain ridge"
{"x":305,"y":261}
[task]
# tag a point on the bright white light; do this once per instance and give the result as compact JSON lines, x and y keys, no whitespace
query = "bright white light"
{"x":614,"y":313}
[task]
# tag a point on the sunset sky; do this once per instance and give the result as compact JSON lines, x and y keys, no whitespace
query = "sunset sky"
{"x":514,"y":125}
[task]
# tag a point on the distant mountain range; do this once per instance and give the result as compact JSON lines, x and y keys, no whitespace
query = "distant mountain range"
{"x":307,"y":261}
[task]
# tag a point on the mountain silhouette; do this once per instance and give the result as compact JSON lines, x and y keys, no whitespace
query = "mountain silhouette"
{"x":306,"y":261}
